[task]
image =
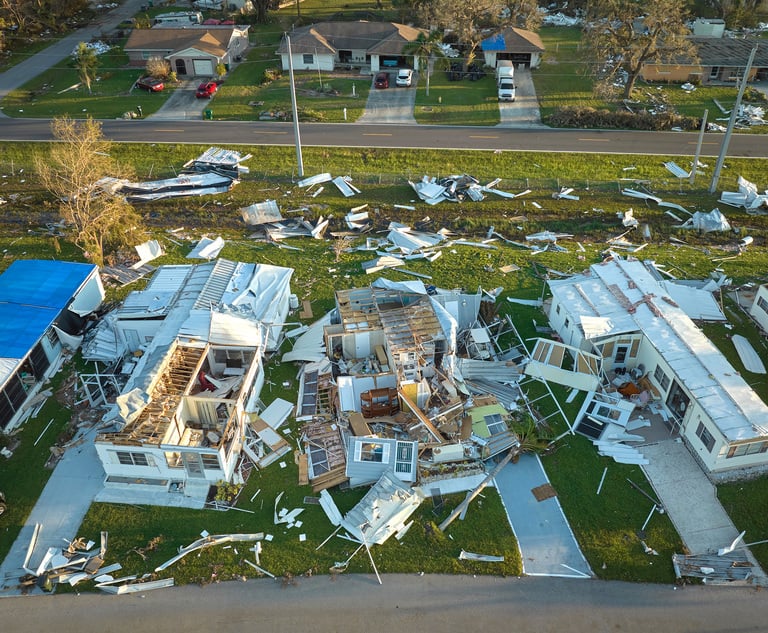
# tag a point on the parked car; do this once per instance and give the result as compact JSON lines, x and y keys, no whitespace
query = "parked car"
{"x":150,"y":84}
{"x":206,"y":90}
{"x":381,"y":80}
{"x":404,"y":77}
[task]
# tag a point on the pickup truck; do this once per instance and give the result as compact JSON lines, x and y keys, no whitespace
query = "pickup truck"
{"x":507,"y":90}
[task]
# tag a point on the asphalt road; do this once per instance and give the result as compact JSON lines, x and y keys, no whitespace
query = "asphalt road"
{"x":403,"y":603}
{"x":395,"y":136}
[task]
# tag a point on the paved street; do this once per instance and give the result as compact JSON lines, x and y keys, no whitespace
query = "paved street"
{"x":357,"y":604}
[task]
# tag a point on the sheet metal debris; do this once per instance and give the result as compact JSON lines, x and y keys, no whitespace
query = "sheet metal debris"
{"x":707,"y":222}
{"x":207,"y":248}
{"x":746,"y":197}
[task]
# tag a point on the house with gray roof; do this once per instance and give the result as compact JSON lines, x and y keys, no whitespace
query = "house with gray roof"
{"x":328,"y":45}
{"x":192,"y":51}
{"x":519,"y":46}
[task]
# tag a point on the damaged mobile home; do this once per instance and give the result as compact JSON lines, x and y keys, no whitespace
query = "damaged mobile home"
{"x":43,"y":308}
{"x":186,"y":356}
{"x":400,"y":381}
{"x":653,"y":354}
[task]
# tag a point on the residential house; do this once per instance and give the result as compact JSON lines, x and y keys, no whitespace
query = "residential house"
{"x":43,"y":307}
{"x":719,"y":59}
{"x":195,"y":339}
{"x":328,"y":45}
{"x":194,"y":50}
{"x":643,"y":326}
{"x":519,"y":46}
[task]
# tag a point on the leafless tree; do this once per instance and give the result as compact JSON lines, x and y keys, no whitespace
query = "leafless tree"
{"x":73,"y":170}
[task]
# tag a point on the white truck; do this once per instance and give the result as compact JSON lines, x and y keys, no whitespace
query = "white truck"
{"x":504,"y":70}
{"x":505,"y":80}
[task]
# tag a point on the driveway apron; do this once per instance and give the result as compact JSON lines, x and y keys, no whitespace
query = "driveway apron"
{"x":546,"y":541}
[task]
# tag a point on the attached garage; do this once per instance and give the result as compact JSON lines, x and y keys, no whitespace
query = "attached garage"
{"x":202,"y":67}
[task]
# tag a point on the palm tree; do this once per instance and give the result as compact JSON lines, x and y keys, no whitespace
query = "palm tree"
{"x":425,"y":49}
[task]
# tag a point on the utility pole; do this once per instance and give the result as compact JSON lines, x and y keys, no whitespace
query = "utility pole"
{"x":295,"y":110}
{"x":732,"y":122}
{"x":698,"y":146}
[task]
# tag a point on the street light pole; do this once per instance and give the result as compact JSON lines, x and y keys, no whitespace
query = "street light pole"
{"x":732,"y":122}
{"x":295,"y":109}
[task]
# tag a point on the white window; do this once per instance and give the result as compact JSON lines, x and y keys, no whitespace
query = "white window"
{"x":762,"y":304}
{"x":308,"y":58}
{"x":135,"y":459}
{"x":372,"y":452}
{"x":495,"y":423}
{"x":211,"y":462}
{"x":404,"y":457}
{"x":661,"y":378}
{"x":705,"y":436}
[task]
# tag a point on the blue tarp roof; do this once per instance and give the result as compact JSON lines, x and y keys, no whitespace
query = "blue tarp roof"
{"x":32,"y":294}
{"x":494,"y":43}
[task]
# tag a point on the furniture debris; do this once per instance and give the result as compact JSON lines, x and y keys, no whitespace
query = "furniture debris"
{"x":484,"y":558}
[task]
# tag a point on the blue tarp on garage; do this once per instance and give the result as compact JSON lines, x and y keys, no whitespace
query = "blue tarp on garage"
{"x":495,"y":43}
{"x":32,"y":294}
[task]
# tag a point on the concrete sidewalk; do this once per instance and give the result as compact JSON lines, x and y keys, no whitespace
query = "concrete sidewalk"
{"x":60,"y":510}
{"x":688,"y":497}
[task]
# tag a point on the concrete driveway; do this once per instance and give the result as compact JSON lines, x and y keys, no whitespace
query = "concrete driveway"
{"x":546,"y":541}
{"x":524,"y":112}
{"x":183,"y":104}
{"x":390,"y":105}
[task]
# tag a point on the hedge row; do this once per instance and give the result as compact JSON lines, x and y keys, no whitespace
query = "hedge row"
{"x":580,"y":117}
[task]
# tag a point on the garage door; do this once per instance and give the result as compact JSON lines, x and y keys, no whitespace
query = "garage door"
{"x":203,"y":67}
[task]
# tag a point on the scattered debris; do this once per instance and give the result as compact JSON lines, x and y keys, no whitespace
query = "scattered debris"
{"x":746,"y":197}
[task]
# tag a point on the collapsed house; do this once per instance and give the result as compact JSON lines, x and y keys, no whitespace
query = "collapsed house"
{"x":43,"y":308}
{"x":186,"y":356}
{"x":384,"y":390}
{"x":643,"y":329}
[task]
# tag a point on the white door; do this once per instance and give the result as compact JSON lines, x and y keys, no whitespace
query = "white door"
{"x":203,"y":67}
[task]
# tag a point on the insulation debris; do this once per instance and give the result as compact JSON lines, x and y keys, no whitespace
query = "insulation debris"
{"x":707,"y":222}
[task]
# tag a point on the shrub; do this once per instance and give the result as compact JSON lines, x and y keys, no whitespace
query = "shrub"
{"x":158,"y":67}
{"x":591,"y":118}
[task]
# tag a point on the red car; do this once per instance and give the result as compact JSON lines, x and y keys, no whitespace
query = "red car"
{"x":206,"y":89}
{"x":150,"y":84}
{"x":381,"y":80}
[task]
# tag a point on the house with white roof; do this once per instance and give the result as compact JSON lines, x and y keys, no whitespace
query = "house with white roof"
{"x":637,"y":322}
{"x":196,"y":339}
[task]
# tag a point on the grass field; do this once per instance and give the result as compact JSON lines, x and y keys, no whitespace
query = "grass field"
{"x":604,"y":525}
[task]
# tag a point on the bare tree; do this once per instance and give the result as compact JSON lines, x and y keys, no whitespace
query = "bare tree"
{"x":73,"y":171}
{"x":623,"y":35}
{"x":86,"y":62}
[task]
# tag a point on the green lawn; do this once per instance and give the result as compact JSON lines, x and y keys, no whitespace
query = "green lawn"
{"x":605,"y":525}
{"x":461,"y":102}
{"x":58,"y":91}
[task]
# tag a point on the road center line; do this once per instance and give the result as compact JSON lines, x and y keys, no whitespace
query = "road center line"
{"x":475,"y":136}
{"x":596,"y":140}
{"x":169,"y":130}
{"x":260,"y":132}
{"x":372,"y":134}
